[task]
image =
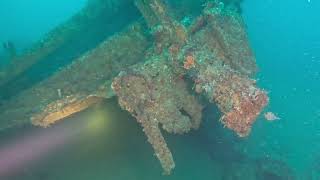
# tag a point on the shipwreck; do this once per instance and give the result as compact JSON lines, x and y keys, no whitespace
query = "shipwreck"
{"x":169,"y":61}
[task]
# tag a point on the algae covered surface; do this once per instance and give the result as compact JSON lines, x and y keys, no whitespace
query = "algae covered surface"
{"x":150,"y":89}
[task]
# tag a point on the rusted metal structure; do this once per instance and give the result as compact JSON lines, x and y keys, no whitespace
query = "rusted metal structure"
{"x":163,"y":70}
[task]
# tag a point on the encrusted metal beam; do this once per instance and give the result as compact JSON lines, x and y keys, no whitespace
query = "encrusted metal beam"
{"x":64,"y":34}
{"x":79,"y":85}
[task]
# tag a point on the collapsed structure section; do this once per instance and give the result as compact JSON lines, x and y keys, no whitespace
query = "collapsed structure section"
{"x":212,"y":55}
{"x":161,"y":80}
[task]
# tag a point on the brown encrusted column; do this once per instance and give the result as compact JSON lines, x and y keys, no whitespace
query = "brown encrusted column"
{"x":155,"y":138}
{"x":154,"y":12}
{"x":79,"y":85}
{"x":147,"y":13}
{"x":157,"y":98}
{"x":165,"y":29}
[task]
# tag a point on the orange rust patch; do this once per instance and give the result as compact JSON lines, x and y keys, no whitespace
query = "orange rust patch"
{"x":189,"y":62}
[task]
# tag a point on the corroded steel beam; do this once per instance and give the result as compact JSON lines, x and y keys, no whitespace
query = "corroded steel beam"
{"x":79,"y":85}
{"x":63,"y":34}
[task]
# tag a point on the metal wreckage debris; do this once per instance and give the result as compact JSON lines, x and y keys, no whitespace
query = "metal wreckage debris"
{"x":158,"y":67}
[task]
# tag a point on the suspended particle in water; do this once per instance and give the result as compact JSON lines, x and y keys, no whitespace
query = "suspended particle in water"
{"x":270,"y":116}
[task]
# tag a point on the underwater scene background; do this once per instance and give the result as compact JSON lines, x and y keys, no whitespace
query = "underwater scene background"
{"x":105,"y":141}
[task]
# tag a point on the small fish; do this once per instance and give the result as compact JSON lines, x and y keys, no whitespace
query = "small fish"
{"x":270,"y":116}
